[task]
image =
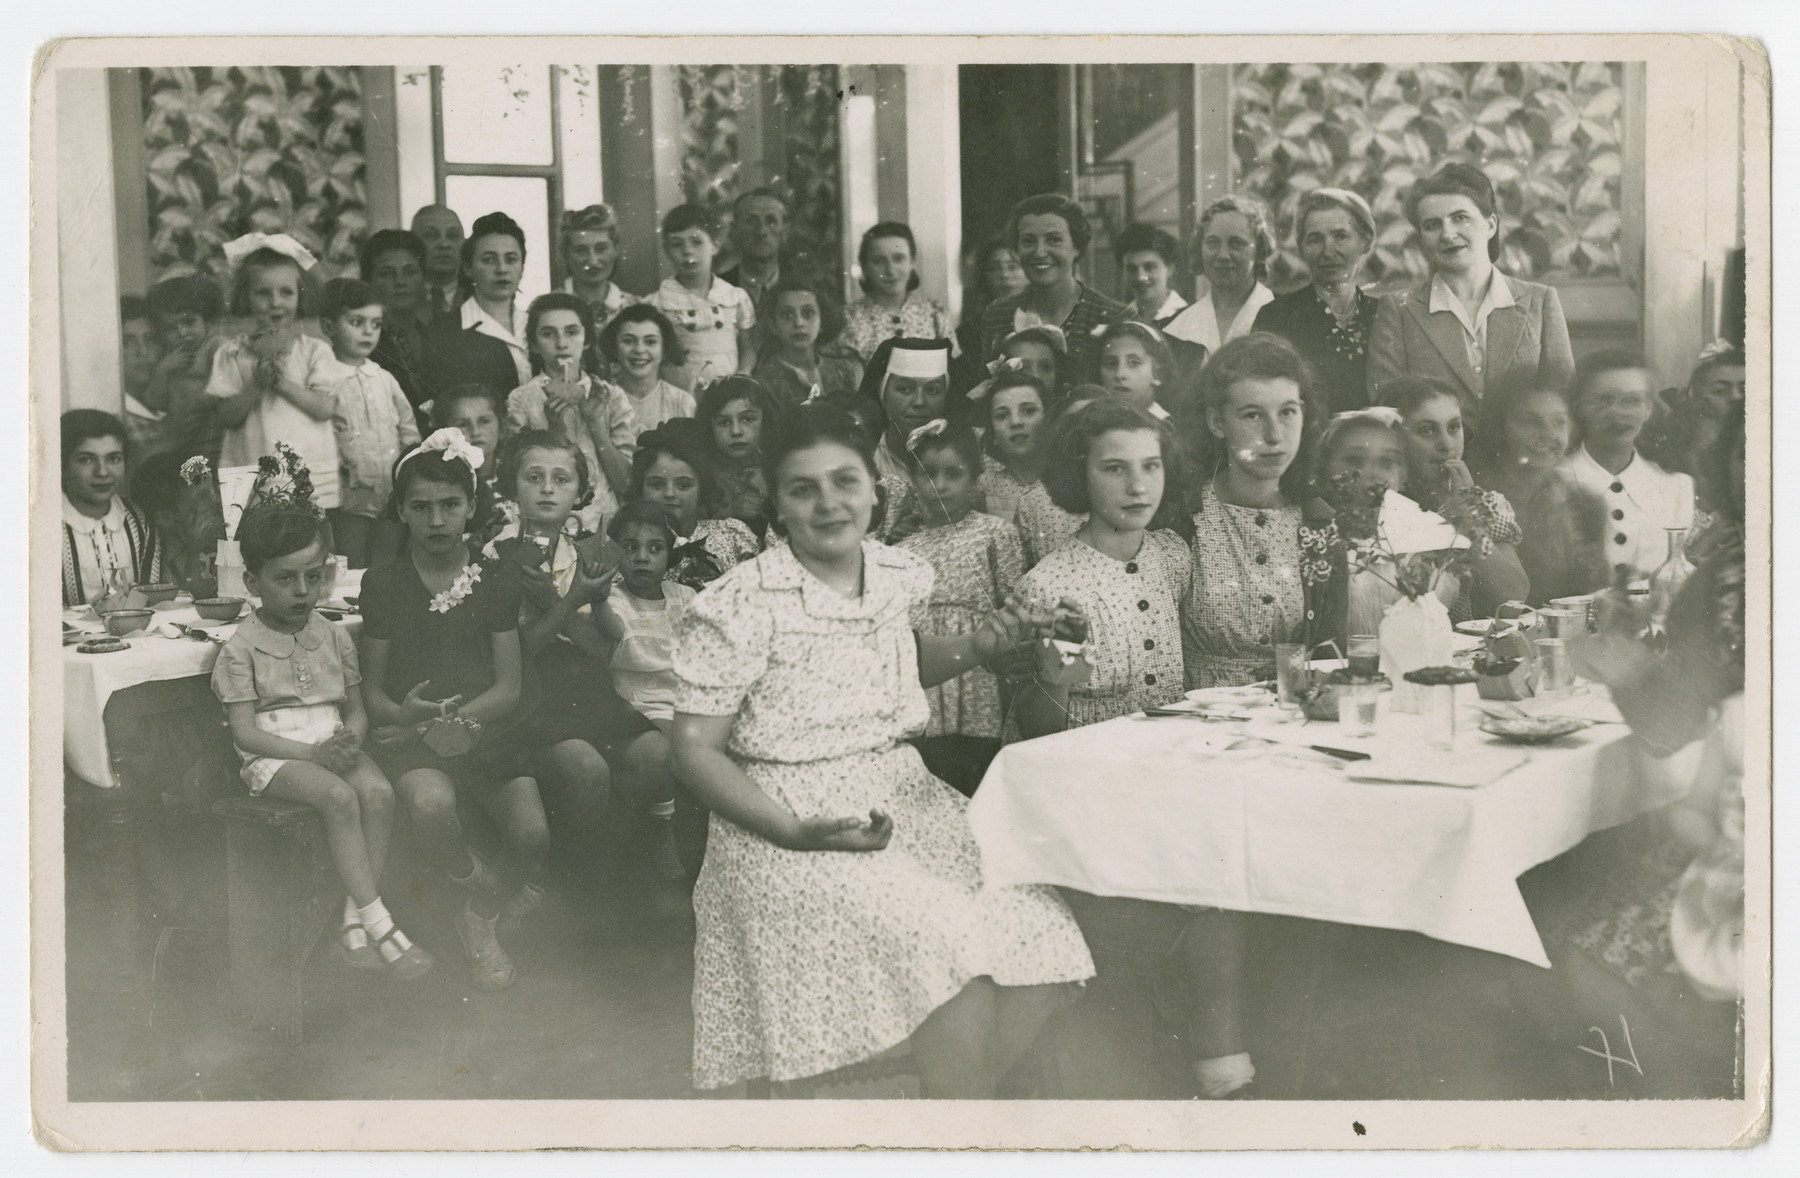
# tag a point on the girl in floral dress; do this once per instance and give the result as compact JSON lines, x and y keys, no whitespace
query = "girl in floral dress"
{"x":1016,"y":412}
{"x":1247,"y":593}
{"x":840,"y":909}
{"x":892,"y":306}
{"x":670,"y":470}
{"x":1125,"y":574}
{"x":977,"y":562}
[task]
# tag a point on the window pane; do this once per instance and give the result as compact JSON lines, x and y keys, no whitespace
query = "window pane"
{"x":527,"y":201}
{"x":497,"y":114}
{"x":1549,"y":135}
{"x":1131,"y":158}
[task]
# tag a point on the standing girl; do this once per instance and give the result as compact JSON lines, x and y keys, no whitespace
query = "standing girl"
{"x":272,"y":383}
{"x":445,"y":690}
{"x":670,"y":471}
{"x":892,"y":305}
{"x":288,"y":680}
{"x":567,"y":400}
{"x":976,"y":560}
{"x":736,"y":412}
{"x":637,"y":343}
{"x":802,"y":355}
{"x":840,"y":909}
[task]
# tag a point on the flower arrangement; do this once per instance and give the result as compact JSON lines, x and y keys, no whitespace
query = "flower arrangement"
{"x":196,"y":470}
{"x":1356,"y":511}
{"x":283,"y":480}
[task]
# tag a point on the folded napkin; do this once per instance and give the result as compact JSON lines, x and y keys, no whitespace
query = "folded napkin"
{"x":1466,"y":768}
{"x":1587,"y":702}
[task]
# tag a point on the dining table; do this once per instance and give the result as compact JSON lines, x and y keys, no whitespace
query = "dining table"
{"x":1236,"y":807}
{"x":176,"y":648}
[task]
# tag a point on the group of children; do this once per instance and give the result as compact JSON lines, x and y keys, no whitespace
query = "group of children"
{"x":536,"y":608}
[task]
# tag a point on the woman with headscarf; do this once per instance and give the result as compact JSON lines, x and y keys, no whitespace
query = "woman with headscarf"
{"x":1329,"y":319}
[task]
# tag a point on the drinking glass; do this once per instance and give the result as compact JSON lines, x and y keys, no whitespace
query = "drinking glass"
{"x":1356,"y":708}
{"x":1364,"y":654}
{"x":1554,"y":670}
{"x":1565,"y":623}
{"x":1290,"y":670}
{"x":1440,"y":716}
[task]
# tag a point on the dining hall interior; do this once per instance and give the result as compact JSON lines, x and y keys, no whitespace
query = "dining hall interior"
{"x":1390,"y":938}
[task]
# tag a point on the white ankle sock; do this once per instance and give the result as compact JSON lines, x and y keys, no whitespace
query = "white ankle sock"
{"x":1224,"y":1074}
{"x":663,"y":809}
{"x":375,"y":918}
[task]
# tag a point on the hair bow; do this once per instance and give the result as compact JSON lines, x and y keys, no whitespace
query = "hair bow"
{"x":814,"y":394}
{"x":1024,"y":321}
{"x":450,"y":440}
{"x":1717,"y":347}
{"x":1000,"y":364}
{"x":931,"y":429}
{"x":240,"y":248}
{"x":1385,"y":415}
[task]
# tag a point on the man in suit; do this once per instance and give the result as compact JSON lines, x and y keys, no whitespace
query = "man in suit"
{"x":759,"y":231}
{"x":1467,"y":324}
{"x":441,"y":231}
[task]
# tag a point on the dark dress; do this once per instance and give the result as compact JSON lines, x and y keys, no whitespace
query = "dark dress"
{"x":453,"y":651}
{"x":1339,"y":356}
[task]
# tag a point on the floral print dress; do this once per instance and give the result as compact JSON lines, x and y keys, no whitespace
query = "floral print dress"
{"x":1134,"y":621}
{"x":1245,"y":594}
{"x":808,"y":961}
{"x":1043,"y":526}
{"x":977,"y":562}
{"x":867,"y":323}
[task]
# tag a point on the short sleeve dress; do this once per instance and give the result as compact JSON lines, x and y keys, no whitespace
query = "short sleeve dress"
{"x":1134,"y":621}
{"x":867,"y":323}
{"x":976,"y":562}
{"x":808,"y":961}
{"x":453,"y":650}
{"x":1043,"y":526}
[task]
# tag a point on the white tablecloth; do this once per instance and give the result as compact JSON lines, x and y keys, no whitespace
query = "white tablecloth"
{"x":1152,"y":809}
{"x":89,"y":680}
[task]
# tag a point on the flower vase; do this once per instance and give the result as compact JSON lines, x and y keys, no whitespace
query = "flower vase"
{"x":1414,"y":633}
{"x":230,"y":569}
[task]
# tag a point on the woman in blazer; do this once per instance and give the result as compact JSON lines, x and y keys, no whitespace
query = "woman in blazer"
{"x":1468,"y":324}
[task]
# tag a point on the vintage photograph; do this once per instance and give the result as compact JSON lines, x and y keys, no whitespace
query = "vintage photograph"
{"x":1201,"y":576}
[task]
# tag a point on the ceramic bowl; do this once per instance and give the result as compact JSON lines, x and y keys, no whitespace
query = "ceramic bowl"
{"x":127,"y":621}
{"x":219,"y":609}
{"x":154,"y":594}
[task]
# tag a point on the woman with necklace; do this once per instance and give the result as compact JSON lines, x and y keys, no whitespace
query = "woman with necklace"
{"x":1329,"y":319}
{"x":1247,"y":593}
{"x":1235,"y":247}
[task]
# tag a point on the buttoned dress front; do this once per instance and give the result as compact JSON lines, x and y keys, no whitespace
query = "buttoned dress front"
{"x":807,"y":961}
{"x":1133,"y":609}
